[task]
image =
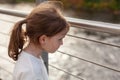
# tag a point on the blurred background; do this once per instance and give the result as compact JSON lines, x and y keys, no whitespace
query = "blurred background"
{"x":100,"y":10}
{"x":85,"y":59}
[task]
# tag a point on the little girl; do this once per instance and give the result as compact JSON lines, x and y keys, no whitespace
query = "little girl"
{"x":45,"y":28}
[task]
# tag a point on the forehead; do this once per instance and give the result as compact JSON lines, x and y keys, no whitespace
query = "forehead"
{"x":60,"y":34}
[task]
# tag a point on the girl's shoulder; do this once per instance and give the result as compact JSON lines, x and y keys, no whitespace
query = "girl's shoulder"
{"x":27,"y":60}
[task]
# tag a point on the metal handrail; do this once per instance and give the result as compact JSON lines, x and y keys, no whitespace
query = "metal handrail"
{"x":95,"y":25}
{"x":78,"y":77}
{"x":92,"y":40}
{"x":13,"y":12}
{"x":6,"y":70}
{"x":80,"y":23}
{"x":98,"y":64}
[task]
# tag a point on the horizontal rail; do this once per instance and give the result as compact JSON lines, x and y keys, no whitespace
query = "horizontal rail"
{"x":66,"y":72}
{"x":7,"y":21}
{"x":101,"y":65}
{"x":96,"y":41}
{"x":1,"y":68}
{"x":95,"y":25}
{"x":86,"y":24}
{"x":13,"y":12}
{"x":7,"y":60}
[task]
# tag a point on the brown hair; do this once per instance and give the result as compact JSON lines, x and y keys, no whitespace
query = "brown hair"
{"x":45,"y":19}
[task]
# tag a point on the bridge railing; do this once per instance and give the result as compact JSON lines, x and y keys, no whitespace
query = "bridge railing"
{"x":88,"y":25}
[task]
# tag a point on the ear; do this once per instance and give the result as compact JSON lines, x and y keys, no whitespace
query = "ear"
{"x":42,"y":39}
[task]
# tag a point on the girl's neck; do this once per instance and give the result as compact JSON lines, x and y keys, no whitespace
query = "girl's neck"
{"x":33,"y":50}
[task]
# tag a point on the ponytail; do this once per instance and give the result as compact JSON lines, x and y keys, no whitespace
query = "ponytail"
{"x":16,"y":40}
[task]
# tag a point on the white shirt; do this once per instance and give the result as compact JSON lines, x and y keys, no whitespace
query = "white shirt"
{"x":29,"y":67}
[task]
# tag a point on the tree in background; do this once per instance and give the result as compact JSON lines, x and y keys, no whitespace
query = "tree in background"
{"x":92,"y":5}
{"x":110,"y":7}
{"x":92,"y":9}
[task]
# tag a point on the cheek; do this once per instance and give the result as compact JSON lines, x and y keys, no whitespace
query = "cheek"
{"x":58,"y":45}
{"x":53,"y":47}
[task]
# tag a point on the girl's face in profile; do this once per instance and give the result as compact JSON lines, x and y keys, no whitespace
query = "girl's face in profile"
{"x":53,"y":43}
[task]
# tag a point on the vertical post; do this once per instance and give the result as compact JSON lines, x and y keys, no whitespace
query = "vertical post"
{"x":44,"y":54}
